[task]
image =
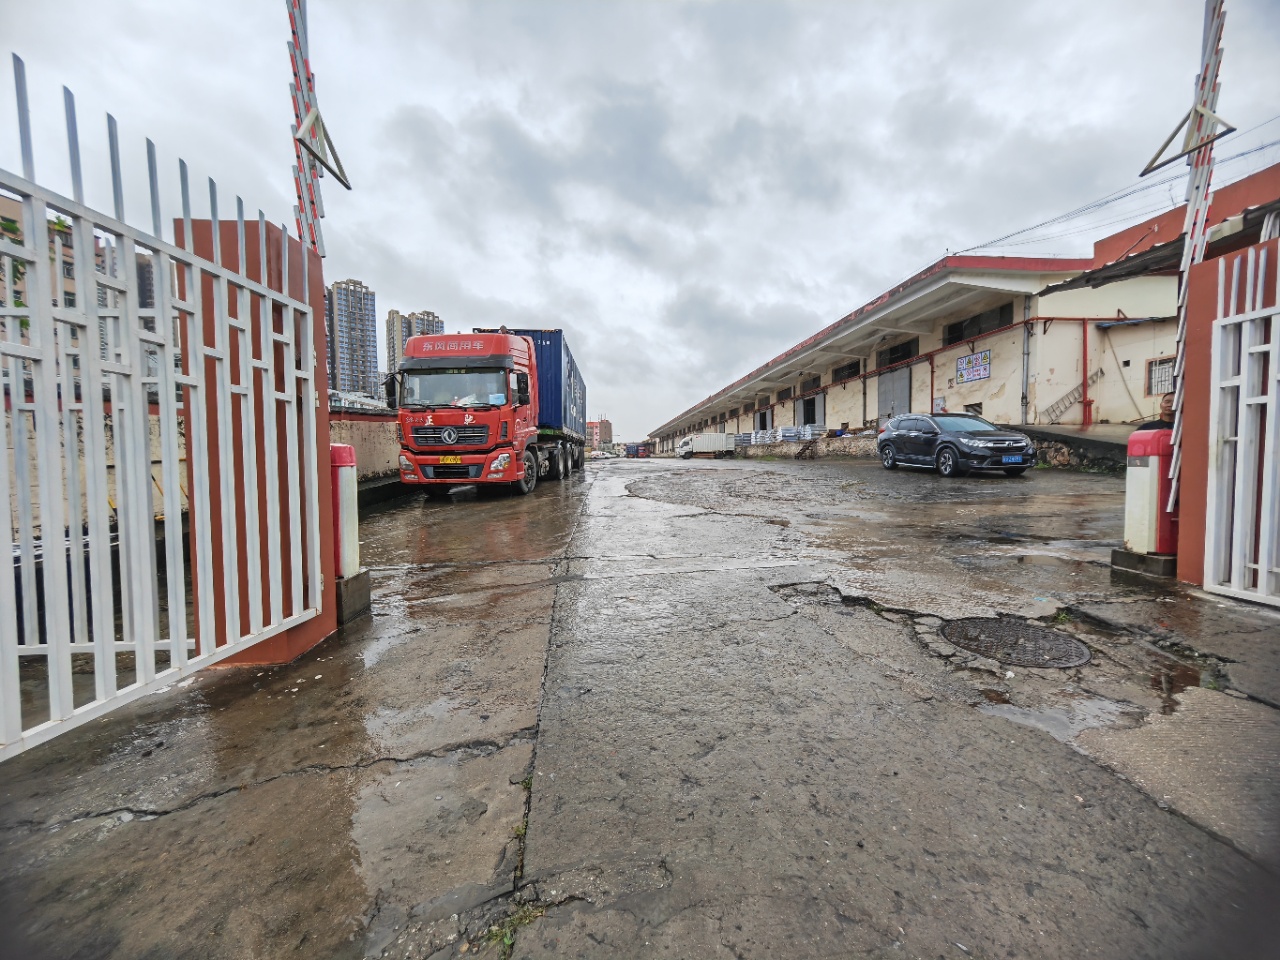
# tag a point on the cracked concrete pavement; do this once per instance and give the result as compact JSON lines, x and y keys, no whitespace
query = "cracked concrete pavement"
{"x":690,"y":710}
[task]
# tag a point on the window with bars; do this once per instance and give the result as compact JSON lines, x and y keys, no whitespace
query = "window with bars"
{"x":898,"y":352}
{"x":977,"y":325}
{"x":733,"y":411}
{"x":813,"y":383}
{"x":1159,"y":376}
{"x":785,"y":394}
{"x":844,"y":372}
{"x":749,"y":406}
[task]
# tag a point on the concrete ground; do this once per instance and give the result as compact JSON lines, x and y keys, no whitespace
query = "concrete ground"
{"x":691,"y":709}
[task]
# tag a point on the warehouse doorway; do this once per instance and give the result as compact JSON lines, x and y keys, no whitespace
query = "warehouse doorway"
{"x":811,"y":410}
{"x":894,"y":393}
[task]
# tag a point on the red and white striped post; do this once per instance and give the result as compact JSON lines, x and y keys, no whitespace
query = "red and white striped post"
{"x":346,"y":522}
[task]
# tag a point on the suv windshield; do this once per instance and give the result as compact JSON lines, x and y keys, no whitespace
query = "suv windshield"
{"x":963,"y":424}
{"x":454,"y":388}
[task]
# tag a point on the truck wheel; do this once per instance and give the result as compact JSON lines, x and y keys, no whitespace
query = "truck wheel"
{"x":555,"y":462}
{"x":530,"y":480}
{"x":566,"y":462}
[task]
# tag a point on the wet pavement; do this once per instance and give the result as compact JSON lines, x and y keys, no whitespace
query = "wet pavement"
{"x":690,"y":710}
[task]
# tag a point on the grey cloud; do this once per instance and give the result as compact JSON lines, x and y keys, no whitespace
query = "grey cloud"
{"x":688,"y":187}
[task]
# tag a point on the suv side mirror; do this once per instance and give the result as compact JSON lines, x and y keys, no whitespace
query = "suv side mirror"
{"x":522,"y":389}
{"x":390,"y":387}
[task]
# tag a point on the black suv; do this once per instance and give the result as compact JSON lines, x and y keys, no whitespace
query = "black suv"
{"x":954,"y":444}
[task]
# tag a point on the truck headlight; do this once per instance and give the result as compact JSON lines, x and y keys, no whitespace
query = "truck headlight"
{"x":406,"y":464}
{"x":500,"y":462}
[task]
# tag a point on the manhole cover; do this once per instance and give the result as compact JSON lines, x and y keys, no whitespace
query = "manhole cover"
{"x":1016,"y":643}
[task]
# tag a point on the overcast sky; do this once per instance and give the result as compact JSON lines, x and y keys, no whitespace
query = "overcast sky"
{"x":687,"y":188}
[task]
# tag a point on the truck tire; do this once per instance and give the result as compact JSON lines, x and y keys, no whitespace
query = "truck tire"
{"x":525,"y":486}
{"x":555,"y":462}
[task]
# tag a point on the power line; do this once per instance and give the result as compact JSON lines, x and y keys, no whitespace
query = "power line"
{"x":1125,"y":192}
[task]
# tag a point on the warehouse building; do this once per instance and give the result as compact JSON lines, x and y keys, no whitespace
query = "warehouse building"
{"x":1009,"y":338}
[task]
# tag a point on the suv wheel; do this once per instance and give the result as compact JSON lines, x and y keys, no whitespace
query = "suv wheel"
{"x":949,"y":463}
{"x":888,"y":456}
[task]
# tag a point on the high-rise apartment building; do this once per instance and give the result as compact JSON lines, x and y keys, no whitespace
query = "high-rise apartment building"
{"x":351,"y":327}
{"x":606,"y":430}
{"x":402,"y":326}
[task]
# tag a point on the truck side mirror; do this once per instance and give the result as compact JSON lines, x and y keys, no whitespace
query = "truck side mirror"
{"x":522,"y":389}
{"x":390,"y":387}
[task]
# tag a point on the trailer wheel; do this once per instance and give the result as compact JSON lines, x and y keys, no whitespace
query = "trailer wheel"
{"x":530,"y":461}
{"x":556,"y":463}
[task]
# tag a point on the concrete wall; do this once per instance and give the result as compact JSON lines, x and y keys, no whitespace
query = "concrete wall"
{"x":845,"y":404}
{"x":829,"y":447}
{"x":1139,"y":297}
{"x":1000,"y":394}
{"x":374,"y":437}
{"x":1120,"y":394}
{"x":74,"y":452}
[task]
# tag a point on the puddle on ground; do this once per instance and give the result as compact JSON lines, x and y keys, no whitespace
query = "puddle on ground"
{"x":1170,"y":678}
{"x":1062,"y":723}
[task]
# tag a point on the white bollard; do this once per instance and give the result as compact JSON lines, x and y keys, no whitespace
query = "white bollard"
{"x":346,"y":520}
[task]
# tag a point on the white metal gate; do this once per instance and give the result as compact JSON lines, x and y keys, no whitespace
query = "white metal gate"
{"x":159,"y":438}
{"x":1242,"y":522}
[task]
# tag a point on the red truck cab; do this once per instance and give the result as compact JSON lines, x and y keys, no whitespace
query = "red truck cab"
{"x":469,"y":413}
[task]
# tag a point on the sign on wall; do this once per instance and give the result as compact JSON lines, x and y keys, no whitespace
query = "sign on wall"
{"x":976,"y":366}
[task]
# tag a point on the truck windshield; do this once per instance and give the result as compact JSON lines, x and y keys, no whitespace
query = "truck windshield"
{"x":455,"y":388}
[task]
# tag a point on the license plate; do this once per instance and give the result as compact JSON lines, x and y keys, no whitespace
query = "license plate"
{"x":459,"y":459}
{"x":1013,"y":459}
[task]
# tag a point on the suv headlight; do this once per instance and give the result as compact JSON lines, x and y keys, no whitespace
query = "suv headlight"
{"x":977,"y":443}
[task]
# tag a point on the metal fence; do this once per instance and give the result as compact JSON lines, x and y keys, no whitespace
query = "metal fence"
{"x":1242,"y":524}
{"x":159,"y":439}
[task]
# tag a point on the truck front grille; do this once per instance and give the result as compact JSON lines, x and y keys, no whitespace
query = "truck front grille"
{"x":468,"y":436}
{"x":452,"y":471}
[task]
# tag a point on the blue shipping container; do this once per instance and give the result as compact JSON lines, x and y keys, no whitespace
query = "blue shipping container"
{"x":562,"y":396}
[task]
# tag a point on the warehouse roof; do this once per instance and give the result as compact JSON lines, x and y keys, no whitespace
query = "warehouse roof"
{"x":957,"y":283}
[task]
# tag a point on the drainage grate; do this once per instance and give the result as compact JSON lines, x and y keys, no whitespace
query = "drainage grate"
{"x":1016,"y":643}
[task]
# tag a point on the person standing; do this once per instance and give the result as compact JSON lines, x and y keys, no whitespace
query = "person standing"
{"x":1165,"y":420}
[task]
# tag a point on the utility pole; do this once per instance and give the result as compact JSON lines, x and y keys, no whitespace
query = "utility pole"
{"x":1201,"y":125}
{"x":311,"y":142}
